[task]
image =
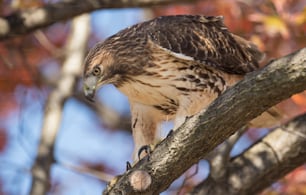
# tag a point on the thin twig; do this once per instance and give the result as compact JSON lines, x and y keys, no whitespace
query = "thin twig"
{"x":44,"y":41}
{"x":105,"y":177}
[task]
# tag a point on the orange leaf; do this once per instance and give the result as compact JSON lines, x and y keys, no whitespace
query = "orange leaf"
{"x":299,"y":99}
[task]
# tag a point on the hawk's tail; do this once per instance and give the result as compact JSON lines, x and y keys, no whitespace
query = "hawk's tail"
{"x":251,"y":49}
{"x":271,"y":118}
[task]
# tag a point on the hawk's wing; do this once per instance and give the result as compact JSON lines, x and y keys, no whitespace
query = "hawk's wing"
{"x":204,"y":39}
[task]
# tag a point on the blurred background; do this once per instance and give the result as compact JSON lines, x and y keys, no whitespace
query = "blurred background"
{"x":95,"y":139}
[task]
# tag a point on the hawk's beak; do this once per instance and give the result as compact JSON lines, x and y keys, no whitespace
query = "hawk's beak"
{"x":89,"y":87}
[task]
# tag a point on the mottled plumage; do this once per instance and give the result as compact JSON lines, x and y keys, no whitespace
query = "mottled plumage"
{"x":170,"y":67}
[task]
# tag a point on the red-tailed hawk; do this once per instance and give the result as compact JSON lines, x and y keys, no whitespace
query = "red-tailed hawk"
{"x":170,"y":67}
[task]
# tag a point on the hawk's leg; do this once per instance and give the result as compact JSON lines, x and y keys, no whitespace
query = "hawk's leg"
{"x":179,"y":120}
{"x":144,"y":126}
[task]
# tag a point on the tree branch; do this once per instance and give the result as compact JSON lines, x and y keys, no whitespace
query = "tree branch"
{"x":71,"y":70}
{"x":28,"y":20}
{"x":203,"y":132}
{"x":219,"y":158}
{"x":269,"y":159}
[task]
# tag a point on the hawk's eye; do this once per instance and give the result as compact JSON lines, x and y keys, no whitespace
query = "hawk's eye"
{"x":96,"y":71}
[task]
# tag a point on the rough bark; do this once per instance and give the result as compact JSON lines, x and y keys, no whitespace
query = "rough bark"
{"x":26,"y":21}
{"x":203,"y":132}
{"x":71,"y":70}
{"x":263,"y":163}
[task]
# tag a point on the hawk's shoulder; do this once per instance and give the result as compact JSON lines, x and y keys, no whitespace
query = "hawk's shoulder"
{"x":202,"y":38}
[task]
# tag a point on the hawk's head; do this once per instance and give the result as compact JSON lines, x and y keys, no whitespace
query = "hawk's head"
{"x":97,"y":70}
{"x":112,"y":62}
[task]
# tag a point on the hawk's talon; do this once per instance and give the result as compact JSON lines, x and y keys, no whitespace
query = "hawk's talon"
{"x":147,"y":149}
{"x":128,"y":165}
{"x":170,"y":133}
{"x":188,"y":117}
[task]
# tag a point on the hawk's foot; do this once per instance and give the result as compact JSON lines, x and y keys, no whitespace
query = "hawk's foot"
{"x":147,"y":149}
{"x":128,"y":165}
{"x":170,"y":133}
